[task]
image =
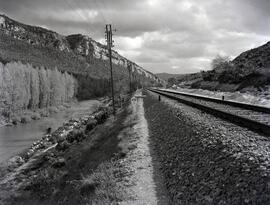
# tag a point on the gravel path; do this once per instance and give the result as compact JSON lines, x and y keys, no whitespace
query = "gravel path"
{"x":206,"y":160}
{"x":139,"y":160}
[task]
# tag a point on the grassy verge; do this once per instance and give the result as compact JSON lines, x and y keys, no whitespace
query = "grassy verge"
{"x":105,"y":185}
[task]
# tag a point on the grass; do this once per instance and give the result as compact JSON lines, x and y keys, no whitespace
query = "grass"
{"x":104,"y":185}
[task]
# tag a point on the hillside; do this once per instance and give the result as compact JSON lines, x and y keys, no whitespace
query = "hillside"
{"x":253,"y":60}
{"x":248,"y":71}
{"x":77,"y":54}
{"x":166,"y":76}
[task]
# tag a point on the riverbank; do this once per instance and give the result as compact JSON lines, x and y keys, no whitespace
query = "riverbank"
{"x":38,"y":169}
{"x":15,"y":139}
{"x":87,"y":162}
{"x":27,"y":116}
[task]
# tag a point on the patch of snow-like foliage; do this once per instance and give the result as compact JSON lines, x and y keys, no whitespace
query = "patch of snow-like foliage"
{"x":23,"y":87}
{"x":80,"y":49}
{"x":87,"y":48}
{"x":16,"y":28}
{"x":63,"y":47}
{"x":2,"y":21}
{"x":260,"y":98}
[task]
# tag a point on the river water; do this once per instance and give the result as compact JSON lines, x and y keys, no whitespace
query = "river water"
{"x":15,"y":139}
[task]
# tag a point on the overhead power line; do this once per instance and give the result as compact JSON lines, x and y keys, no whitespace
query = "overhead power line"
{"x":73,"y":8}
{"x":100,"y":11}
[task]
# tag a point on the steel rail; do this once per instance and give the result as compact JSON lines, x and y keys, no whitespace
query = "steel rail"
{"x":227,"y":102}
{"x":251,"y":124}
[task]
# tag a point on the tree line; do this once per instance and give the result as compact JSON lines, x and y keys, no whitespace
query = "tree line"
{"x":24,"y":87}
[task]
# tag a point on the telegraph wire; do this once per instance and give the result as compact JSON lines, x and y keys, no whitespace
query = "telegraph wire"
{"x":100,"y":11}
{"x":70,"y":9}
{"x":74,"y":6}
{"x":104,"y":6}
{"x":74,"y":9}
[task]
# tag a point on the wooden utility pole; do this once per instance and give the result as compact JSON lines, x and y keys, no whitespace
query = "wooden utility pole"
{"x":129,"y":72}
{"x":109,"y":46}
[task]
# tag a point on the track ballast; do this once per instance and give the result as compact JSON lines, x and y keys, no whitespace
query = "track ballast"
{"x":256,"y":118}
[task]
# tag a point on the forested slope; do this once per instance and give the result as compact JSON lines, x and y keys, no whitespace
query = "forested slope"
{"x":77,"y":54}
{"x":40,"y":68}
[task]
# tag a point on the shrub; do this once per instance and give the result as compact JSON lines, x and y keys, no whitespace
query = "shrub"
{"x":90,"y":125}
{"x":101,"y":116}
{"x":15,"y":119}
{"x":53,"y":110}
{"x":44,"y":113}
{"x":76,"y":135}
{"x":61,"y":108}
{"x":35,"y":116}
{"x":25,"y":119}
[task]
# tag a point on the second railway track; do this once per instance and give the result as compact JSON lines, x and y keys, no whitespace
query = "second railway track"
{"x":253,"y":117}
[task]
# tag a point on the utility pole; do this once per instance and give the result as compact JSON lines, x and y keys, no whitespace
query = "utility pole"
{"x":129,"y":72}
{"x":109,"y":46}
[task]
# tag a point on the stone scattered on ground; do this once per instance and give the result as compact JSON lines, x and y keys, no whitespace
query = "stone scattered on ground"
{"x":206,"y":160}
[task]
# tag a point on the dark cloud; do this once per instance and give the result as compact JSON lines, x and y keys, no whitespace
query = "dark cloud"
{"x":176,"y":36}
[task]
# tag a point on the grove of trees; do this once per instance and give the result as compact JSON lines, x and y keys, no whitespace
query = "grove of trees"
{"x":222,"y":70}
{"x":24,"y":87}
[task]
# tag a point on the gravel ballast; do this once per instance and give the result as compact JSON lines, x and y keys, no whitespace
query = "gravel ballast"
{"x":239,"y":111}
{"x":204,"y":159}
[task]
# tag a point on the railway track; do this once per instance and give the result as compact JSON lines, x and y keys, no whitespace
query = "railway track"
{"x":256,"y":118}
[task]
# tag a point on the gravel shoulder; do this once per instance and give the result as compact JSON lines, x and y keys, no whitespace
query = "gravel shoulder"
{"x":205,"y":160}
{"x":144,"y":186}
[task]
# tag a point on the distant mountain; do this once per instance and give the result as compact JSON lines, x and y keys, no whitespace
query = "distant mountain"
{"x":77,"y":54}
{"x":166,"y":76}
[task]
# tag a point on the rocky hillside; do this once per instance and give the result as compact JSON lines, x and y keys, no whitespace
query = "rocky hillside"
{"x":248,"y":71}
{"x":32,"y":34}
{"x":75,"y":53}
{"x":253,"y":60}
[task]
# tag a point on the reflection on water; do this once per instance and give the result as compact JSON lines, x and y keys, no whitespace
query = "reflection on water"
{"x":17,"y":138}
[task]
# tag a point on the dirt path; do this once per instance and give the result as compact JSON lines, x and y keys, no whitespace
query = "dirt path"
{"x":139,"y":160}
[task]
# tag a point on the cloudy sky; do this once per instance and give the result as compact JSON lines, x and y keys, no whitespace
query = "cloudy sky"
{"x":174,"y":36}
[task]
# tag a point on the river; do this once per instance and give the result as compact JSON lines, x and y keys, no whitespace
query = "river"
{"x":15,"y":139}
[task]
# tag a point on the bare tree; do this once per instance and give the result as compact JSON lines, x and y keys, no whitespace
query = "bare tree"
{"x":221,"y":63}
